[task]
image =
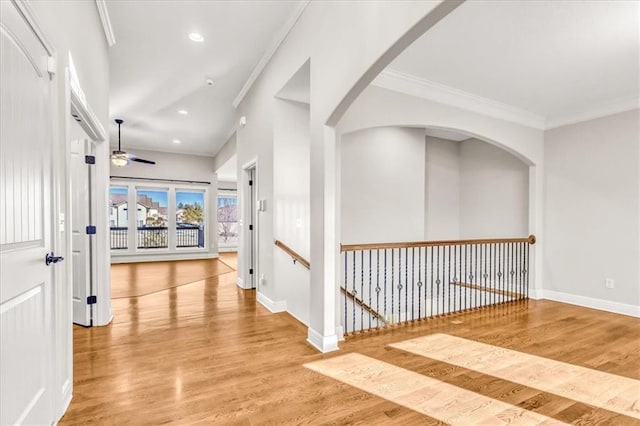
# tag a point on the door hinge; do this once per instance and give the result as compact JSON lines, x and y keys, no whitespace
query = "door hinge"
{"x":91,"y":230}
{"x":250,"y":227}
{"x":90,"y":159}
{"x":251,"y":271}
{"x":92,"y":300}
{"x":250,"y":183}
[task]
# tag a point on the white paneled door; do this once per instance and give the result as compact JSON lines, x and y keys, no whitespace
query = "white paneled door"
{"x":26,"y":311}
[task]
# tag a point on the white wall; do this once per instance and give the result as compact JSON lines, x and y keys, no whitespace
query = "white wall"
{"x":442,"y":189}
{"x":291,"y":140}
{"x":75,"y":27}
{"x":169,"y":166}
{"x":591,"y":212}
{"x":176,"y":167}
{"x":383,"y":178}
{"x":227,"y":151}
{"x":494,"y":192}
{"x":381,"y":107}
{"x":339,"y":61}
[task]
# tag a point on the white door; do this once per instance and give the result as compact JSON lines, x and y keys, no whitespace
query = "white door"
{"x":26,"y":314}
{"x":82,"y":241}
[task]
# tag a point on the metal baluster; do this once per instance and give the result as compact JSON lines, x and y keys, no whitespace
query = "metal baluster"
{"x":378,"y":287}
{"x":419,"y":282}
{"x":510,"y":269}
{"x":370,"y":305}
{"x":494,"y":295}
{"x":438,"y":280}
{"x":392,"y":281}
{"x":362,"y":290}
{"x":385,"y":285}
{"x":354,"y":291}
{"x":431,"y":311}
{"x":413,"y":282}
{"x":466,"y":265}
{"x":406,"y":283}
{"x":447,"y":287}
{"x":499,"y":273}
{"x":485,"y":275}
{"x":400,"y":285}
{"x":346,"y":253}
{"x":496,"y":272}
{"x":526,"y":268}
{"x":460,"y":279}
{"x":455,"y":278}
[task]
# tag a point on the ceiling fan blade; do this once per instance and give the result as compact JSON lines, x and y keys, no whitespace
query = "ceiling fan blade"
{"x":141,"y":160}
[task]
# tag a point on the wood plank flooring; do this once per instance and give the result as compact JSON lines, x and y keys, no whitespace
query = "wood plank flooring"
{"x":207,"y":353}
{"x":138,"y":279}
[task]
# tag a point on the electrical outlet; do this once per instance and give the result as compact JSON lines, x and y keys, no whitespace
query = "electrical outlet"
{"x":609,"y":283}
{"x":263,"y":281}
{"x":299,"y":223}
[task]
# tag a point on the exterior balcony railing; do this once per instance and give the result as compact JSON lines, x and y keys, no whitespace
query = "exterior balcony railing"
{"x":157,"y":237}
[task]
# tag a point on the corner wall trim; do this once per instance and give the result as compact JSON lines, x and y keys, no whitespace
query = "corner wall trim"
{"x":322,"y":343}
{"x":271,"y":50}
{"x":590,"y":302}
{"x":273,"y":307}
{"x":106,"y":22}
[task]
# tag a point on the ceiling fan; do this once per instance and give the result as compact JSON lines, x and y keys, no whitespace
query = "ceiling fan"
{"x":121,"y":158}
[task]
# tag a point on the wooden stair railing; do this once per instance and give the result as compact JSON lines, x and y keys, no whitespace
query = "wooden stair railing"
{"x":369,"y":309}
{"x":531,"y":239}
{"x":304,"y":262}
{"x":294,"y":255}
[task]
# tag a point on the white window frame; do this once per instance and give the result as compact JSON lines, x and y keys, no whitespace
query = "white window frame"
{"x":133,"y":186}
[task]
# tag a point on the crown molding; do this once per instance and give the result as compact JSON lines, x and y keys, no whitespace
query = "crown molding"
{"x":626,"y":103}
{"x":106,"y":22}
{"x":24,"y":8}
{"x":271,"y":50}
{"x":421,"y":88}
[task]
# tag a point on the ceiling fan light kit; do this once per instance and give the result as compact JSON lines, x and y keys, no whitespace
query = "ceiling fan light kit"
{"x":120,"y":158}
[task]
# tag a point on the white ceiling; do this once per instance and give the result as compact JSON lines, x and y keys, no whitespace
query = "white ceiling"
{"x":156,"y":70}
{"x":555,"y":59}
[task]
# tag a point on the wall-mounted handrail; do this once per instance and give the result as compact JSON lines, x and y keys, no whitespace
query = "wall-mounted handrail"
{"x":531,"y":239}
{"x":374,"y":314}
{"x":294,"y":255}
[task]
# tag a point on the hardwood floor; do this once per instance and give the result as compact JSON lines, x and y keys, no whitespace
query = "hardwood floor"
{"x":207,"y":353}
{"x":138,"y":279}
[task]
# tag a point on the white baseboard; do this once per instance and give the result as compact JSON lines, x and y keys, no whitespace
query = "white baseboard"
{"x":275,"y":307}
{"x":535,"y":294}
{"x":297,"y":317}
{"x":160,"y":257}
{"x":322,"y":343}
{"x":590,"y":302}
{"x":227,"y":249}
{"x":240,"y":282}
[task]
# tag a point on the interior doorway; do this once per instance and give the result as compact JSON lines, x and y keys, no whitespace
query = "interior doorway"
{"x":251,"y":206}
{"x":83,"y":226}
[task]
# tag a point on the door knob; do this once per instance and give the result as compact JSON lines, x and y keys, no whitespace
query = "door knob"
{"x":51,"y":258}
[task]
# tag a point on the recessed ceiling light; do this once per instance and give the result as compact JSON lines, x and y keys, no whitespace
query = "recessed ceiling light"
{"x":197,"y":37}
{"x":177,"y":141}
{"x":183,"y":112}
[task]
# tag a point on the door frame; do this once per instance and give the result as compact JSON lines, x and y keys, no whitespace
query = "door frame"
{"x":80,"y":110}
{"x":250,"y":251}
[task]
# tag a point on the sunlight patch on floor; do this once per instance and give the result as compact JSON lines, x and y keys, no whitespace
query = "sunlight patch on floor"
{"x":423,"y":394}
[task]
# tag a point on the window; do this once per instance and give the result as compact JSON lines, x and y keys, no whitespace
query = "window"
{"x":190,"y":216}
{"x":227,"y":221}
{"x":119,"y":217}
{"x":152,"y":219}
{"x":167,"y":218}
